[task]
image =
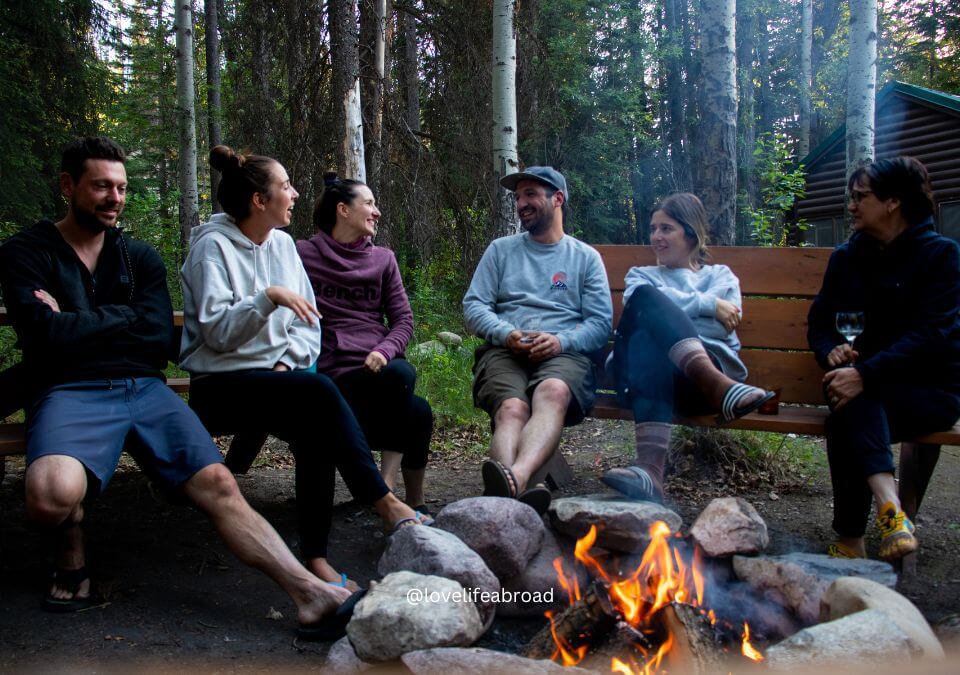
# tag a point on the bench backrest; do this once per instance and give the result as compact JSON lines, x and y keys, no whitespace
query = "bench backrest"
{"x":778,"y":285}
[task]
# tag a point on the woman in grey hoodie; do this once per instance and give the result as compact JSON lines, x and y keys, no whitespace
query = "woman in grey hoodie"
{"x":250,"y":338}
{"x":676,"y":348}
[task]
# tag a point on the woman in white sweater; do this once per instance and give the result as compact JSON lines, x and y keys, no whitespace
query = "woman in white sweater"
{"x":676,"y":349}
{"x":251,"y":335}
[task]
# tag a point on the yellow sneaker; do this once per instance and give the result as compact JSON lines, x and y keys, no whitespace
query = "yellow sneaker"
{"x":842,"y":551}
{"x":896,"y":532}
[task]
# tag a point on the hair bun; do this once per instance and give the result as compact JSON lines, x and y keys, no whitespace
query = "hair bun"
{"x":330,"y":178}
{"x":224,"y":159}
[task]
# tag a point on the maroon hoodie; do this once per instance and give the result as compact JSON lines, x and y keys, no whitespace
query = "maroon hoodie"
{"x":357,"y":287}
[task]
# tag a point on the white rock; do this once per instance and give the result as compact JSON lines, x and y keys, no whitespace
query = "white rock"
{"x":478,"y":661}
{"x":798,"y":580}
{"x":389,"y":621}
{"x":504,"y":532}
{"x":730,"y":525}
{"x":342,"y":660}
{"x":623,"y":525}
{"x":428,"y":550}
{"x":540,"y":577}
{"x":860,"y":639}
{"x":848,"y":595}
{"x":427,"y":348}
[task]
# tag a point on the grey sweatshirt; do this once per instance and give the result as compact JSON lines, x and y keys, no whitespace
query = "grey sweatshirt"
{"x":561,"y":287}
{"x":696,"y":294}
{"x":229,"y":323}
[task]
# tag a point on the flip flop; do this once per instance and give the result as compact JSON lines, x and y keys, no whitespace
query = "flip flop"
{"x":424,"y":517}
{"x":731,"y":408}
{"x":333,"y":626}
{"x":498,"y":480}
{"x":633,"y":482}
{"x":538,"y":497}
{"x":70,"y":581}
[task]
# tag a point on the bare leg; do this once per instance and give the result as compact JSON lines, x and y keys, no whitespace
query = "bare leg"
{"x":251,"y":538}
{"x":541,"y":434}
{"x":391,"y":510}
{"x":884,"y":489}
{"x":390,"y":467}
{"x":413,"y":486}
{"x":508,"y":423}
{"x":855,"y":544}
{"x":55,"y":487}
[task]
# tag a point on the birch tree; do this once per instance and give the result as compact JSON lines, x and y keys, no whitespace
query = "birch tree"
{"x":186,"y":117}
{"x":345,"y":59}
{"x":806,"y":76}
{"x":861,"y":82}
{"x":719,"y":110}
{"x":373,"y":38}
{"x":214,"y":113}
{"x":505,"y":158}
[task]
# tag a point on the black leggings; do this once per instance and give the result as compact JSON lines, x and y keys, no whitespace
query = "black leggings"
{"x":652,"y":386}
{"x":858,"y":443}
{"x":306,"y":410}
{"x":391,"y":416}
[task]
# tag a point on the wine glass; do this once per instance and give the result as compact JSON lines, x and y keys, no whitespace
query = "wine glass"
{"x":850,"y":325}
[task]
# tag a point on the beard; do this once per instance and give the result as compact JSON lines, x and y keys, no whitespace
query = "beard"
{"x":537,"y":223}
{"x":88,"y":219}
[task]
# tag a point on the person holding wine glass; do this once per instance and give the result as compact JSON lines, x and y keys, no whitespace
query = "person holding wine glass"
{"x":895,"y":288}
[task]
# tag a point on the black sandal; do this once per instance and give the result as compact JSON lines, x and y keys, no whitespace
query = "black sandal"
{"x":334,"y":625}
{"x":498,"y":480}
{"x":70,"y":580}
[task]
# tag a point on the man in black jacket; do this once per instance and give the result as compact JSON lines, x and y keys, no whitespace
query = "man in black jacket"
{"x":94,"y":320}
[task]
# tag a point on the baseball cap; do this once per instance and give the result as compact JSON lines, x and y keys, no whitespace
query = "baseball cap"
{"x":541,"y":174}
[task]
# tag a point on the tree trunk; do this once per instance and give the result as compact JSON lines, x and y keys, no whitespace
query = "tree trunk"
{"x":861,"y":83}
{"x":189,"y":210}
{"x":746,"y":38}
{"x":214,"y":113}
{"x":373,"y":28}
{"x":505,"y":158}
{"x":345,"y":59}
{"x":261,"y":106}
{"x":806,"y":76}
{"x":719,"y":111}
{"x":410,"y":75}
{"x":675,"y":89}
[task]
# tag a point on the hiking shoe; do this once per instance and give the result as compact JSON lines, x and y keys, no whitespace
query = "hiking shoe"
{"x":896,"y":532}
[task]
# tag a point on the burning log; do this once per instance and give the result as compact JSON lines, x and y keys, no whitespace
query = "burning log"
{"x":695,"y":649}
{"x":587,"y":620}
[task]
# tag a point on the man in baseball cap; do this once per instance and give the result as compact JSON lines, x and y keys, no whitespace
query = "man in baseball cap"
{"x":541,"y":301}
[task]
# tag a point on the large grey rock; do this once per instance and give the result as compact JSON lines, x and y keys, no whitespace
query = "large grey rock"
{"x":390,"y":621}
{"x":798,"y":580}
{"x":427,"y":550}
{"x":730,"y":525}
{"x":450,"y":339}
{"x":540,"y":580}
{"x":622,"y":525}
{"x":848,"y":595}
{"x":504,"y":532}
{"x":864,"y":638}
{"x":478,"y":661}
{"x":342,"y":660}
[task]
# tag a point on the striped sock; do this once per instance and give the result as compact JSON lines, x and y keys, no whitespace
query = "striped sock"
{"x":690,"y":357}
{"x":653,"y":440}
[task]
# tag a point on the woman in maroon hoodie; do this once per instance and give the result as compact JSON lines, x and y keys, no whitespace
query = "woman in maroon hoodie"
{"x":367,"y":323}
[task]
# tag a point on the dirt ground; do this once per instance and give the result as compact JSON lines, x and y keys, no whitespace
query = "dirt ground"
{"x":178,"y":600}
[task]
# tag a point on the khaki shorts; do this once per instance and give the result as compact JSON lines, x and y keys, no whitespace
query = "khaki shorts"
{"x":498,"y":375}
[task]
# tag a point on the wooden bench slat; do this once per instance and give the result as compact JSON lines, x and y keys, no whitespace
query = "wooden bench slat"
{"x":795,"y":373}
{"x":762,"y":271}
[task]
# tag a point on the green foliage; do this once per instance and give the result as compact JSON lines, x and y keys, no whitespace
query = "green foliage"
{"x":781,"y":184}
{"x":143,"y":219}
{"x":445,"y":379}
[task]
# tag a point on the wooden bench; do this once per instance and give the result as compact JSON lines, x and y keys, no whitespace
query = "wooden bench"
{"x":778,"y":286}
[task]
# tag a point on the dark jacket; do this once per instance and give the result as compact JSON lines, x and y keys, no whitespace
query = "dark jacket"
{"x":114,"y":323}
{"x":909,"y":292}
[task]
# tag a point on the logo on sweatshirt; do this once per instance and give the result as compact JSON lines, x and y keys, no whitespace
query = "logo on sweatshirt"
{"x":559,"y":281}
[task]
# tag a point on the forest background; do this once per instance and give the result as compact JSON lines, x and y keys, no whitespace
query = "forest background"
{"x":611,"y":93}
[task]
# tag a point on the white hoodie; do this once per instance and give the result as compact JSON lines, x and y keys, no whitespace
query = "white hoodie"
{"x":229,"y":323}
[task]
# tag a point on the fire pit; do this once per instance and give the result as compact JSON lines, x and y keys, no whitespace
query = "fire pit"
{"x":648,"y":619}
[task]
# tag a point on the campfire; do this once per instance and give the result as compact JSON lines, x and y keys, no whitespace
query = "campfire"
{"x":649,"y":619}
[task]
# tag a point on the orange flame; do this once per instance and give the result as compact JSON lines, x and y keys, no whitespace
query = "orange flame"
{"x":567,"y":653}
{"x":571,"y":586}
{"x":748,"y":649}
